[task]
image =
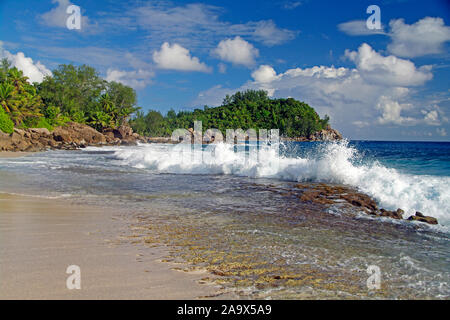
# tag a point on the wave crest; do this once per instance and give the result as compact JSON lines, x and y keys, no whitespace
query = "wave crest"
{"x":335,"y":162}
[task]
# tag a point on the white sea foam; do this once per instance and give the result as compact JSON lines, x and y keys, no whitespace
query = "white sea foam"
{"x":334,"y":163}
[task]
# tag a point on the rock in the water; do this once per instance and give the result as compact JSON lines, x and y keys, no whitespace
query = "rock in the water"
{"x":420,"y":214}
{"x":360,"y":200}
{"x":422,"y":218}
{"x":392,"y":214}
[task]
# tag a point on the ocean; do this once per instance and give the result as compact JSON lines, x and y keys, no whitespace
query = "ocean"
{"x":240,"y":216}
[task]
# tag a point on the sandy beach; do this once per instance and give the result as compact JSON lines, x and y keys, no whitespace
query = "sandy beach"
{"x":41,"y":237}
{"x":10,"y":154}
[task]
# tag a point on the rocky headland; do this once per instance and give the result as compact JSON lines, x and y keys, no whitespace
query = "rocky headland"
{"x":69,"y":137}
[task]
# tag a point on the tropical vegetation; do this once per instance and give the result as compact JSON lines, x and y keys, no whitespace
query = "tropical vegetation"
{"x":71,"y":93}
{"x":243,"y":110}
{"x":79,"y":94}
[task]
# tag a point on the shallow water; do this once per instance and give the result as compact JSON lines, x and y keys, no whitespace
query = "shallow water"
{"x":242,"y":219}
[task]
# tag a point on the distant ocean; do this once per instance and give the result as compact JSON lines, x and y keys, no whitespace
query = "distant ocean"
{"x":244,"y":208}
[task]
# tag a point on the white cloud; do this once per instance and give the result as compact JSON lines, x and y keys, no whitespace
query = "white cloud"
{"x":351,"y":96}
{"x":435,"y":116}
{"x":391,"y":112}
{"x":237,"y":51}
{"x":390,"y":70}
{"x":136,"y":79}
{"x":432,"y":118}
{"x":175,"y":57}
{"x":34,"y":71}
{"x":264,"y":74}
{"x":57,"y":17}
{"x":442,"y":132}
{"x":358,"y":28}
{"x":426,"y":36}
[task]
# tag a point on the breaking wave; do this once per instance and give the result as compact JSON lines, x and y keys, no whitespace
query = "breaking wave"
{"x":331,"y":163}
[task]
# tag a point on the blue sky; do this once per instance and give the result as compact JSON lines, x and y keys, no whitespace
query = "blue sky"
{"x":388,"y":84}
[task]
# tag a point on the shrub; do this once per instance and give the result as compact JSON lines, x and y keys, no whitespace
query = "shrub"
{"x":37,"y":123}
{"x":43,"y":123}
{"x":6,"y":125}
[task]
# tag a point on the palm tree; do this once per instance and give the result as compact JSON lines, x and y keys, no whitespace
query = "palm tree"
{"x":108,"y":107}
{"x":6,"y":96}
{"x":18,"y":80}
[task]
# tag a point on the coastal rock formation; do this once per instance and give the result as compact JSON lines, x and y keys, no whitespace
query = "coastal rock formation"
{"x":392,"y":214}
{"x":331,"y":194}
{"x":327,"y":134}
{"x":422,"y":218}
{"x":79,"y":134}
{"x":160,"y":140}
{"x":70,"y":136}
{"x":360,"y":200}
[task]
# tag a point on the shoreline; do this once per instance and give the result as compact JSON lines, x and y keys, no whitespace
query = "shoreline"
{"x":109,"y":241}
{"x":41,"y":237}
{"x":13,"y":154}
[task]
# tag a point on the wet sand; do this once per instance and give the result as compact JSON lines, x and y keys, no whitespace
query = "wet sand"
{"x":40,"y":238}
{"x":10,"y":154}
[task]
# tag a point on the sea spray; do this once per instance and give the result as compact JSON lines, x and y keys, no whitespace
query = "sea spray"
{"x":334,"y":162}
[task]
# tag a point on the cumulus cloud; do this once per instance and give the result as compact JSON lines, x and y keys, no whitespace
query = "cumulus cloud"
{"x":348,"y":95}
{"x":57,"y":17}
{"x":434,"y":116}
{"x":391,"y":112}
{"x":388,"y":70}
{"x":237,"y":51}
{"x":136,"y":79}
{"x":264,"y":74}
{"x":358,"y":28}
{"x":35,"y":71}
{"x":176,"y":57}
{"x":426,"y":36}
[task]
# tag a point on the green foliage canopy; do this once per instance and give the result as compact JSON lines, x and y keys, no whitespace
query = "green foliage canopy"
{"x":245,"y":110}
{"x":71,"y":93}
{"x":6,"y":125}
{"x":81,"y":95}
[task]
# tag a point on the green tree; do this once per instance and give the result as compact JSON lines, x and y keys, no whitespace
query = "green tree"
{"x":244,"y":110}
{"x":6,"y":125}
